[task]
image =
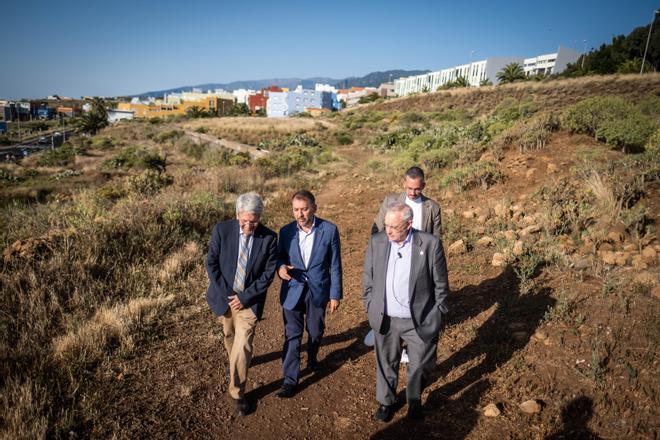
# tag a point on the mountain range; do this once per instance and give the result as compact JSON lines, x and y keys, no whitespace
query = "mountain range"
{"x":373,"y":79}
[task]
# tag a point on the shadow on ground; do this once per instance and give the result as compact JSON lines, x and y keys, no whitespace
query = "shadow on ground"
{"x":452,"y":410}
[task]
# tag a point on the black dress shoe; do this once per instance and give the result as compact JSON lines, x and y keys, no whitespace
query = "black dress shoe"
{"x":242,"y":407}
{"x":415,"y":411}
{"x":384,"y":413}
{"x":313,"y":365}
{"x":286,"y":391}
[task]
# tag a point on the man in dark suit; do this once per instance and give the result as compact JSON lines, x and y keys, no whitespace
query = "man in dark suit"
{"x":427,"y":216}
{"x":310,"y":268}
{"x":241,"y":264}
{"x":405,"y":286}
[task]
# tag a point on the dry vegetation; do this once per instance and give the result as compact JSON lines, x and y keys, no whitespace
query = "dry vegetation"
{"x":549,"y":223}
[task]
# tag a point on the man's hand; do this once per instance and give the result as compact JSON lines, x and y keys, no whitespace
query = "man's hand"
{"x":283,"y":272}
{"x":333,"y":305}
{"x":234,"y":303}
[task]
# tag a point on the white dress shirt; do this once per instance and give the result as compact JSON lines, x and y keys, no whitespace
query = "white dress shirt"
{"x":416,"y":206}
{"x":306,"y":242}
{"x":397,"y":281}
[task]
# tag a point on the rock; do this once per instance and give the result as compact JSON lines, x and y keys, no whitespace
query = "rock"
{"x":518,"y":248}
{"x":583,"y":263}
{"x":530,"y":407}
{"x":482,"y":219}
{"x":485,"y":241}
{"x":649,"y":253}
{"x":617,"y":234}
{"x":457,"y":248}
{"x":606,"y":247}
{"x":540,"y":335}
{"x":547,"y":342}
{"x":480,"y":230}
{"x":621,"y":259}
{"x":510,"y":235}
{"x":646,"y":278}
{"x":655,"y":292}
{"x":608,"y":257}
{"x":517,"y":216}
{"x":552,"y":168}
{"x":638,"y":262}
{"x":491,"y":410}
{"x":517,"y":208}
{"x":530,"y":173}
{"x":629,"y":247}
{"x":532,"y":229}
{"x":469,"y":214}
{"x":529,"y":220}
{"x":499,"y":260}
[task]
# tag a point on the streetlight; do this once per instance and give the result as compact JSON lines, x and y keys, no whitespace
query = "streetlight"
{"x":655,"y":14}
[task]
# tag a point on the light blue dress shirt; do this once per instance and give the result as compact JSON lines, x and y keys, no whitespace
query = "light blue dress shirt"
{"x":397,"y":282}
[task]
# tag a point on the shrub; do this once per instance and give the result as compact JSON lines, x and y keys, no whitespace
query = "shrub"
{"x":343,"y":138}
{"x":133,"y":158}
{"x":201,"y":129}
{"x":6,"y":177}
{"x":653,"y":145}
{"x":484,"y":174}
{"x":191,"y":148}
{"x":610,"y":119}
{"x":532,"y":134}
{"x":112,"y":191}
{"x":240,"y":159}
{"x":167,"y":136}
{"x":438,"y":158}
{"x":149,"y":182}
{"x":58,"y":157}
{"x":216,"y":157}
{"x":412,"y":118}
{"x":102,"y":143}
{"x":650,"y":105}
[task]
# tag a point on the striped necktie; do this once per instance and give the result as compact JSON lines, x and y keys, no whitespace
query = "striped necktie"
{"x":239,"y":279}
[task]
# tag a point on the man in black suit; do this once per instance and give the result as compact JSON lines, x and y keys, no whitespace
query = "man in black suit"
{"x":241,"y":264}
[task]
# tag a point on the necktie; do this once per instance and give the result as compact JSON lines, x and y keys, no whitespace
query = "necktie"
{"x":239,"y":279}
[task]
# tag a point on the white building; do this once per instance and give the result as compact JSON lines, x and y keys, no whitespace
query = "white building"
{"x":197,"y":95}
{"x":241,"y":95}
{"x":487,"y":69}
{"x":550,"y":63}
{"x":115,"y":115}
{"x":325,"y":88}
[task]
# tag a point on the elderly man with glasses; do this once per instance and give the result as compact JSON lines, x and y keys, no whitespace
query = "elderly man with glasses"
{"x":241,"y":264}
{"x":405,"y":286}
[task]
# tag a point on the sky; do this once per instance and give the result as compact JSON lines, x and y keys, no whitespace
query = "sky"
{"x":122,"y":47}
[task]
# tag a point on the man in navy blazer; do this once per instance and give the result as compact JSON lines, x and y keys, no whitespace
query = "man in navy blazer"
{"x":309,"y":264}
{"x":241,"y":264}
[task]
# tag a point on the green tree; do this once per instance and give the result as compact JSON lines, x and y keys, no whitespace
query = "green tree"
{"x":633,"y":66}
{"x":196,"y":112}
{"x":485,"y":82}
{"x":512,"y":72}
{"x":95,"y":119}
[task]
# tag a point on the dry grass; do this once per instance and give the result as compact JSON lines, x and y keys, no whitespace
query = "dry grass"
{"x":180,"y":262}
{"x":110,"y":327}
{"x":607,"y":205}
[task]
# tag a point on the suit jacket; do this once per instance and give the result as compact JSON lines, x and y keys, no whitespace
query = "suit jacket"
{"x":429,"y":285}
{"x":323,"y":276}
{"x":431,"y":219}
{"x":221,"y":264}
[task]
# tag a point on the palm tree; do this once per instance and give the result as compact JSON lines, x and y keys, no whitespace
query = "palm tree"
{"x":485,"y":82}
{"x":461,"y":81}
{"x":95,"y":119}
{"x":512,"y":72}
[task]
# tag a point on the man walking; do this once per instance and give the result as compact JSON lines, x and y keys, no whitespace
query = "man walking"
{"x":241,"y":264}
{"x":310,"y":268}
{"x":426,"y":211}
{"x":405,"y":286}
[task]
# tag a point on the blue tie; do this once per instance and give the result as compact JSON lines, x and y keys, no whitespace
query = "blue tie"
{"x":239,"y":279}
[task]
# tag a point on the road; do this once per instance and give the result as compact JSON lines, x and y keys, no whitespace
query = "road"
{"x":35,"y":144}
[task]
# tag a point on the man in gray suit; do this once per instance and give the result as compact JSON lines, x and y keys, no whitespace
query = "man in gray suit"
{"x":426,"y":211}
{"x":405,"y":286}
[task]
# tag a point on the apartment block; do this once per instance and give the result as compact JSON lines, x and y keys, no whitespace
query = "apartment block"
{"x":283,"y":104}
{"x":478,"y":71}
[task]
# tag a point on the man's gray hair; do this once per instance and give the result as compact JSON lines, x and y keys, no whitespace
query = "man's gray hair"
{"x":249,"y":202}
{"x":405,"y":210}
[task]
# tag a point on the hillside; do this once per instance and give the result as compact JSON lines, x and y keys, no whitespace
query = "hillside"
{"x":549,"y":225}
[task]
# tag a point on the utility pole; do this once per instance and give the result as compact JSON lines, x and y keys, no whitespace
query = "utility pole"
{"x":655,"y":14}
{"x":584,"y":53}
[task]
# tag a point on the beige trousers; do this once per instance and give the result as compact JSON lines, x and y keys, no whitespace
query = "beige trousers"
{"x":239,"y":333}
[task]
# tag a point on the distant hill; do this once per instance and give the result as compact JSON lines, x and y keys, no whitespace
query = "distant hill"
{"x":373,"y":79}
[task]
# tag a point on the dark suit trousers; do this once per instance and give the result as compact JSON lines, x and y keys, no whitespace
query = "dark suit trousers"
{"x":388,"y":357}
{"x":294,"y":326}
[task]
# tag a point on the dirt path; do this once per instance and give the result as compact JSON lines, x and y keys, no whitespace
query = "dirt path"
{"x":176,"y":387}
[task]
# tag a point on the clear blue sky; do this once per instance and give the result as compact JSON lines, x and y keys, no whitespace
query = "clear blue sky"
{"x":118,"y":47}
